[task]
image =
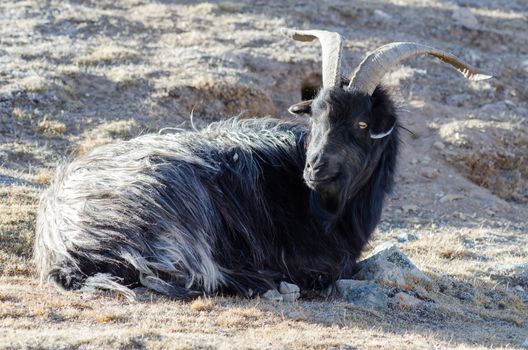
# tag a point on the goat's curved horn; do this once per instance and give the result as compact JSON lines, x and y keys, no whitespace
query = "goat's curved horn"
{"x":371,"y":70}
{"x":332,"y":46}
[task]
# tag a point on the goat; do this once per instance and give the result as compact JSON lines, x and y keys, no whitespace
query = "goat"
{"x":240,"y":205}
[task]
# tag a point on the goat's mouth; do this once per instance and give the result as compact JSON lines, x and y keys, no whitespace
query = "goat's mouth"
{"x":320,"y":182}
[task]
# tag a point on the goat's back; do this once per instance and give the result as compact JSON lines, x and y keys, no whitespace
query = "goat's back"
{"x":190,"y":210}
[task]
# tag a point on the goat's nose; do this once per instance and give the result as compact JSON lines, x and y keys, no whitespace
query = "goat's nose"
{"x":316,"y":167}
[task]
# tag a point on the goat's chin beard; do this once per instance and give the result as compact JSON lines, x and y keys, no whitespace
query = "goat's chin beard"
{"x":331,"y":198}
{"x":328,"y":202}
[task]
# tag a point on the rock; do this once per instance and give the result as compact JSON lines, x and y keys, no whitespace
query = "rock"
{"x":290,"y":292}
{"x":450,"y":198}
{"x":465,"y":18}
{"x":406,"y":237}
{"x":409,"y":208}
{"x":439,"y":145}
{"x":405,"y":300}
{"x":524,"y":65}
{"x":388,"y":266}
{"x":143,"y":294}
{"x":524,"y":344}
{"x":362,"y":293}
{"x":382,"y":16}
{"x":429,"y":173}
{"x":272,"y":295}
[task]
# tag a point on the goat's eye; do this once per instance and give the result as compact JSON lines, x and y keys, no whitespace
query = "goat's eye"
{"x":362,"y":125}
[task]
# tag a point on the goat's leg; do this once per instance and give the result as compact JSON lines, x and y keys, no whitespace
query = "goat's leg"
{"x":172,"y":290}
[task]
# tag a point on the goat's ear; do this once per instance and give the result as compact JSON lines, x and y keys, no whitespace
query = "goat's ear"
{"x":304,"y":107}
{"x":383,"y":116}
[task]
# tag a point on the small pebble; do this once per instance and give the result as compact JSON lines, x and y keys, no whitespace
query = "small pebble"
{"x":272,"y":295}
{"x":439,"y":145}
{"x":382,"y":16}
{"x":406,"y":237}
{"x":429,"y":173}
{"x":465,"y":18}
{"x":524,"y":65}
{"x":409,"y":208}
{"x":289,"y":291}
{"x":450,"y":198}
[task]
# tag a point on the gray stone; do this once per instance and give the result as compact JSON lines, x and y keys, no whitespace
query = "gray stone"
{"x":429,"y":173}
{"x":382,"y":16}
{"x":409,"y":208}
{"x":272,"y":295}
{"x":362,"y":293}
{"x":388,"y":266}
{"x":465,"y":18}
{"x":290,"y":292}
{"x":143,"y":294}
{"x":524,"y":344}
{"x":439,"y":145}
{"x":406,"y":237}
{"x":450,"y":198}
{"x":524,"y":65}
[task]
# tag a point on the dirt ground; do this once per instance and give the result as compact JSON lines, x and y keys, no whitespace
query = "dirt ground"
{"x":76,"y":74}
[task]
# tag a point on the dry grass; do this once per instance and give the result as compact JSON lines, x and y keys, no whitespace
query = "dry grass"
{"x":123,"y":77}
{"x":47,"y":126}
{"x":35,"y":84}
{"x":21,"y":114}
{"x":44,"y":177}
{"x":202,"y":304}
{"x":106,"y":133}
{"x":109,"y":318}
{"x":75,"y":76}
{"x":107,"y":54}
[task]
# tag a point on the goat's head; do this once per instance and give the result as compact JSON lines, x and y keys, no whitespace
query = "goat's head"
{"x":352,"y":120}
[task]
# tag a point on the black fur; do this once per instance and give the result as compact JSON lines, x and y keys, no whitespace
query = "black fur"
{"x":253,"y":200}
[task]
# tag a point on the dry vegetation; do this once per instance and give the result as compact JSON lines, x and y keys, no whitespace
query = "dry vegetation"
{"x":78,"y":74}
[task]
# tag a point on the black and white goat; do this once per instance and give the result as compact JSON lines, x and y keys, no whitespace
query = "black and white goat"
{"x":238,"y":206}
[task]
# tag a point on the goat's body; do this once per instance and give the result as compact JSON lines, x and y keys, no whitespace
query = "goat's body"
{"x":221,"y":209}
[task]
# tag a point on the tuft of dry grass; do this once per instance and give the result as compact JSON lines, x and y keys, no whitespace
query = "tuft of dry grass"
{"x":453,"y":252}
{"x":107,"y":133}
{"x":202,"y":304}
{"x":239,"y":317}
{"x":107,"y":54}
{"x":230,"y":7}
{"x":50,"y":127}
{"x":34,"y":83}
{"x":21,"y":114}
{"x":44,"y":177}
{"x":109,"y":318}
{"x":123,"y":78}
